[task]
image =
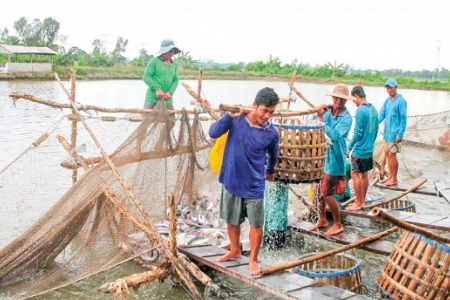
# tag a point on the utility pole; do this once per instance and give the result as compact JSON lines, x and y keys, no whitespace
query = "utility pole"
{"x":437,"y":61}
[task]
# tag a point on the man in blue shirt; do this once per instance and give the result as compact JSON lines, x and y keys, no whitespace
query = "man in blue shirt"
{"x":337,"y":126}
{"x":393,"y":113}
{"x":249,"y":159}
{"x":362,"y":145}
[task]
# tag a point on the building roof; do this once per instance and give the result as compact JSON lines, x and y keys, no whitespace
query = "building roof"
{"x":13,"y":49}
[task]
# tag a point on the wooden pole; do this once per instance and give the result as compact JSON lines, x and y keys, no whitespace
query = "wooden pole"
{"x":54,"y":104}
{"x":205,"y":105}
{"x":410,"y":227}
{"x":302,"y":261}
{"x":396,"y":197}
{"x":232,"y":108}
{"x":291,"y":85}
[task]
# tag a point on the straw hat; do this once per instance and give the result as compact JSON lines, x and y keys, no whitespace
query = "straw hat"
{"x":341,"y":91}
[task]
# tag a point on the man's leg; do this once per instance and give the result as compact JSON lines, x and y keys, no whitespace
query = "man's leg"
{"x":234,"y":233}
{"x":322,"y":221}
{"x":359,"y":191}
{"x":334,"y":208}
{"x":393,"y":169}
{"x":255,"y":236}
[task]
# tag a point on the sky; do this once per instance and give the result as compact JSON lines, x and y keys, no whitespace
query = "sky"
{"x":377,"y":34}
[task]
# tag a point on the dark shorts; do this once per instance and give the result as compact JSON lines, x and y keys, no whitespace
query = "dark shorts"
{"x":362,"y":165}
{"x":331,"y":185}
{"x":234,"y":209}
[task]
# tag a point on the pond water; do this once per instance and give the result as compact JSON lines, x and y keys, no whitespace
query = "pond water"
{"x":21,"y":123}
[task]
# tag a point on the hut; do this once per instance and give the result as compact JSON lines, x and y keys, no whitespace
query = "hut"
{"x":37,"y":60}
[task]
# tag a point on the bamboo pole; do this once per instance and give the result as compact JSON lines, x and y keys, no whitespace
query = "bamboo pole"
{"x":232,"y":108}
{"x":301,"y":96}
{"x":302,"y":261}
{"x":205,"y":105}
{"x":199,"y":86}
{"x":172,"y":226}
{"x":291,"y":85}
{"x":54,"y":104}
{"x":378,"y":212}
{"x":396,"y":197}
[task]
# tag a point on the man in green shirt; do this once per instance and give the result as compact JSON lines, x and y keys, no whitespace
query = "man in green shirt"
{"x":161,"y":76}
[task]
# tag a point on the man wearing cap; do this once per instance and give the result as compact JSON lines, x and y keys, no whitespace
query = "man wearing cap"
{"x":338,"y":122}
{"x":161,"y":76}
{"x":362,"y":145}
{"x":393,"y":113}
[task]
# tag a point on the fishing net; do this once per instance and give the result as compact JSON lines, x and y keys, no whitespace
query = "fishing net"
{"x":61,"y":223}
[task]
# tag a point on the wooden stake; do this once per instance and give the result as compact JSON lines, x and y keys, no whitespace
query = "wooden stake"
{"x":410,"y":227}
{"x":296,"y":263}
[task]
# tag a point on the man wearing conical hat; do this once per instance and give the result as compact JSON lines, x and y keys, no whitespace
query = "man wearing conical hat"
{"x":337,"y":121}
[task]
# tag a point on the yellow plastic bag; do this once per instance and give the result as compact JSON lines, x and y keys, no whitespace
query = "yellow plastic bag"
{"x":216,"y":154}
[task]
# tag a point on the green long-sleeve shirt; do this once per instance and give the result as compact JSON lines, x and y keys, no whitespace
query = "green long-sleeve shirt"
{"x":159,"y":76}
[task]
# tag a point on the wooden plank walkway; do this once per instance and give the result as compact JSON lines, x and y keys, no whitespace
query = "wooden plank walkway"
{"x":426,"y":189}
{"x":283,"y":284}
{"x":345,"y":238}
{"x":419,"y":219}
{"x":442,"y":190}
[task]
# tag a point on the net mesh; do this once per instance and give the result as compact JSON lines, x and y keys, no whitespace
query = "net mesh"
{"x":59,"y":223}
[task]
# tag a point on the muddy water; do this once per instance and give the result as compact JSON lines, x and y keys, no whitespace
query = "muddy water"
{"x":21,"y":125}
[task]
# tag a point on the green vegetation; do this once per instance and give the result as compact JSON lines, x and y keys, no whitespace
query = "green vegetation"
{"x":100,"y":64}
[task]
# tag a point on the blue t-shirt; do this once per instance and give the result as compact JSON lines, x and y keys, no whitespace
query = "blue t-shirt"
{"x":337,"y":128}
{"x":250,"y":152}
{"x":365,"y":131}
{"x":394,"y":115}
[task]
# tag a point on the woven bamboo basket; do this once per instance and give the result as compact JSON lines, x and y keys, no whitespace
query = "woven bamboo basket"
{"x":340,"y":270}
{"x":302,"y":152}
{"x":402,"y":205}
{"x":418,"y":268}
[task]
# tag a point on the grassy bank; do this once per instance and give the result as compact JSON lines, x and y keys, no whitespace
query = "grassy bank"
{"x":129,"y":72}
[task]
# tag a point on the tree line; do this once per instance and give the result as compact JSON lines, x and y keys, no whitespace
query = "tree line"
{"x":46,"y":34}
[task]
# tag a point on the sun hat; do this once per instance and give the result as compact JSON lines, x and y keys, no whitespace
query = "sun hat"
{"x":390,"y":83}
{"x":341,"y":91}
{"x":166,"y":46}
{"x":358,"y":91}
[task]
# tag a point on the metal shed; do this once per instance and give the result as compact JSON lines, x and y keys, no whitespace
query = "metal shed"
{"x":29,"y":67}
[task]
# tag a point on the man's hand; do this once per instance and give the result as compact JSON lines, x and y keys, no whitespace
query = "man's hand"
{"x":270,"y":177}
{"x":159,"y":94}
{"x":321,"y":109}
{"x":398,"y":140}
{"x":167,"y":96}
{"x":236,"y":114}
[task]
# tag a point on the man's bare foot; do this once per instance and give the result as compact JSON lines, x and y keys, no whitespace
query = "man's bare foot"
{"x":354,"y":207}
{"x":334,"y":230}
{"x":385,"y":180}
{"x":319,"y":224}
{"x":391,"y":182}
{"x":229,"y":255}
{"x":254,"y":268}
